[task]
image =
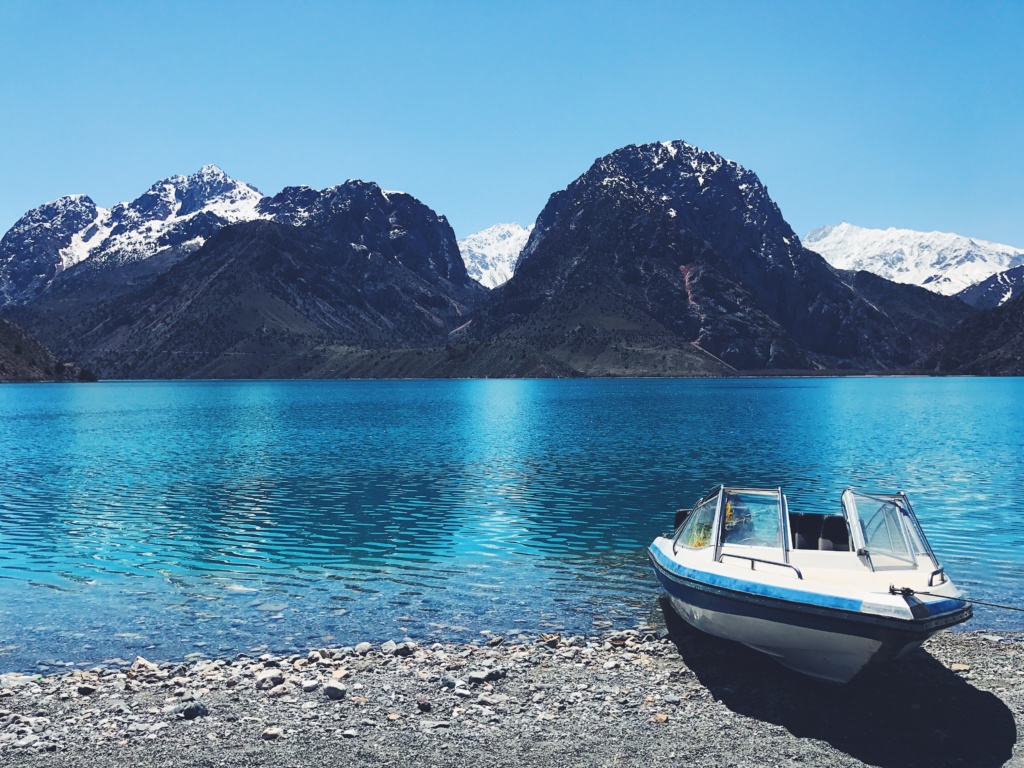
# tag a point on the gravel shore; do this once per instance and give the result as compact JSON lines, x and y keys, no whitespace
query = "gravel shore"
{"x":641,"y":697}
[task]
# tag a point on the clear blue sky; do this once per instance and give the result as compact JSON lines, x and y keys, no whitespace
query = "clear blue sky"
{"x":907,"y":114}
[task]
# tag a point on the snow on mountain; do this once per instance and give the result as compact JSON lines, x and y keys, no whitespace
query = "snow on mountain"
{"x":943,"y":262}
{"x":491,"y":254}
{"x":178,"y":213}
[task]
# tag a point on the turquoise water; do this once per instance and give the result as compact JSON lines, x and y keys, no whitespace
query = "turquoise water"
{"x":166,"y":518}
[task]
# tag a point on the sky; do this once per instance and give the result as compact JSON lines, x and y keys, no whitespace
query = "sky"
{"x":883,"y":114}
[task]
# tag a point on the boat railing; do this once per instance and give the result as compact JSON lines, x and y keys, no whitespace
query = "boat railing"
{"x":753,"y":560}
{"x":937,"y":572}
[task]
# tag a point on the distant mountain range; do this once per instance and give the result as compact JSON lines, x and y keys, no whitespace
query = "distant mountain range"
{"x":491,"y":254}
{"x":661,"y":260}
{"x":939,"y":261}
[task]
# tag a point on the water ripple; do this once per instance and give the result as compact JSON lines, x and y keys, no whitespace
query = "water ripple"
{"x":368,"y":510}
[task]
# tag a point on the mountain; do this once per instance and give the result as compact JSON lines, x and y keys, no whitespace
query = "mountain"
{"x":939,"y":261}
{"x":364,"y":270}
{"x":996,"y":290}
{"x":491,"y":254}
{"x":24,"y":359}
{"x":990,"y":343}
{"x":665,"y":258}
{"x":173,"y":218}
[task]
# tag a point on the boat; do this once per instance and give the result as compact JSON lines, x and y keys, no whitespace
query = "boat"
{"x":830,"y":595}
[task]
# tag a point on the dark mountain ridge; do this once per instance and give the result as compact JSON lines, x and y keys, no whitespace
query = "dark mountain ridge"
{"x":661,"y":260}
{"x":692,"y":245}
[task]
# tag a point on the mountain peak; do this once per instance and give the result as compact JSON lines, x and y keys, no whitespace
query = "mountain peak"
{"x":491,"y":254}
{"x":943,"y":262}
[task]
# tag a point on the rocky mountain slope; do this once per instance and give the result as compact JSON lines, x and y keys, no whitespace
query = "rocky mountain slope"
{"x":989,"y":343}
{"x":666,"y":250}
{"x":996,"y":290}
{"x":23,"y":358}
{"x":942,"y":262}
{"x":491,"y":254}
{"x":660,"y":260}
{"x":365,"y":269}
{"x":173,"y":218}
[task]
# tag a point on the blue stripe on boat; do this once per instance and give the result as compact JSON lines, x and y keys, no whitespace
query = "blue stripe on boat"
{"x":754,"y":588}
{"x":816,"y":599}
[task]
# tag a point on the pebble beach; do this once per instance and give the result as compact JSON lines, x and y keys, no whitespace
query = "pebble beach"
{"x":641,"y":696}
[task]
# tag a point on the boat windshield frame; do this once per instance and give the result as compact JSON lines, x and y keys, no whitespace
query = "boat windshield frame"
{"x":783,"y":519}
{"x":911,"y":533}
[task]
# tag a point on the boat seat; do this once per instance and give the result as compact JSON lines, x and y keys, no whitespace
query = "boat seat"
{"x":834,"y":534}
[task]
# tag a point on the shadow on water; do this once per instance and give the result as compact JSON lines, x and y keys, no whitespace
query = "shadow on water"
{"x":915,"y":713}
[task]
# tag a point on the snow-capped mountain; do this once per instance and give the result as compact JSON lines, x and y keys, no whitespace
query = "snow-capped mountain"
{"x":996,"y":290}
{"x":669,"y":258}
{"x":177,"y":214}
{"x":491,"y":254}
{"x":943,"y":262}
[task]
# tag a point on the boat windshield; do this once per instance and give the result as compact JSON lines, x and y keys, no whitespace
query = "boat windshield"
{"x":892,"y":536}
{"x":752,"y":518}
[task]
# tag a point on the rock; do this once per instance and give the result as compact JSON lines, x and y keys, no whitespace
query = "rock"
{"x":308,"y":686}
{"x":423,"y":704}
{"x":314,"y":657}
{"x":350,"y":733}
{"x":477,"y":677}
{"x":335,"y":691}
{"x":194,"y":709}
{"x":279,"y":690}
{"x":495,"y":641}
{"x":661,"y":717}
{"x":268,"y":679}
{"x":405,"y":649}
{"x":448,"y":681}
{"x":363,"y":648}
{"x":430,"y":725}
{"x":961,"y":667}
{"x":271,"y":734}
{"x":86,"y":689}
{"x":388,"y":647}
{"x":27,"y":741}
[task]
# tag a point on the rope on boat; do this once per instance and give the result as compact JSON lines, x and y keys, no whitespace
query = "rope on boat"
{"x":908,"y":592}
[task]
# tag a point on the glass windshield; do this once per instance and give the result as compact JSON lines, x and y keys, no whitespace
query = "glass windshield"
{"x":751,"y":519}
{"x":696,"y":532}
{"x":884,"y":533}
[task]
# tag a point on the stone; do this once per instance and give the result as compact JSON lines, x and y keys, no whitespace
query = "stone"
{"x":388,"y":647}
{"x":27,"y":741}
{"x":308,"y":686}
{"x":448,"y":681}
{"x":86,"y":689}
{"x":660,"y":717}
{"x":194,"y":709}
{"x":477,"y":677}
{"x":350,"y":733}
{"x":271,"y":734}
{"x":430,"y":725}
{"x":423,"y":704}
{"x":279,"y":690}
{"x":335,"y":691}
{"x":405,"y":649}
{"x":270,"y":678}
{"x":363,"y":648}
{"x":961,"y":667}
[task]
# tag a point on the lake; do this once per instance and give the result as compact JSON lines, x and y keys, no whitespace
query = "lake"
{"x":168,"y":518}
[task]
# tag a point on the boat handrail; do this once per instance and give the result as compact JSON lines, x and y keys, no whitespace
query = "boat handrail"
{"x":937,"y":572}
{"x":761,"y":560}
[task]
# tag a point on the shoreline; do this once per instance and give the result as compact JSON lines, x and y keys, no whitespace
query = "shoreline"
{"x":629,"y":697}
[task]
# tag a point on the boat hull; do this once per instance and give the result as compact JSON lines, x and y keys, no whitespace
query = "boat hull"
{"x":829,"y":644}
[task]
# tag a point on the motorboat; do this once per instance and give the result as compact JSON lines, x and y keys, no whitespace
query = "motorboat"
{"x":830,"y":595}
